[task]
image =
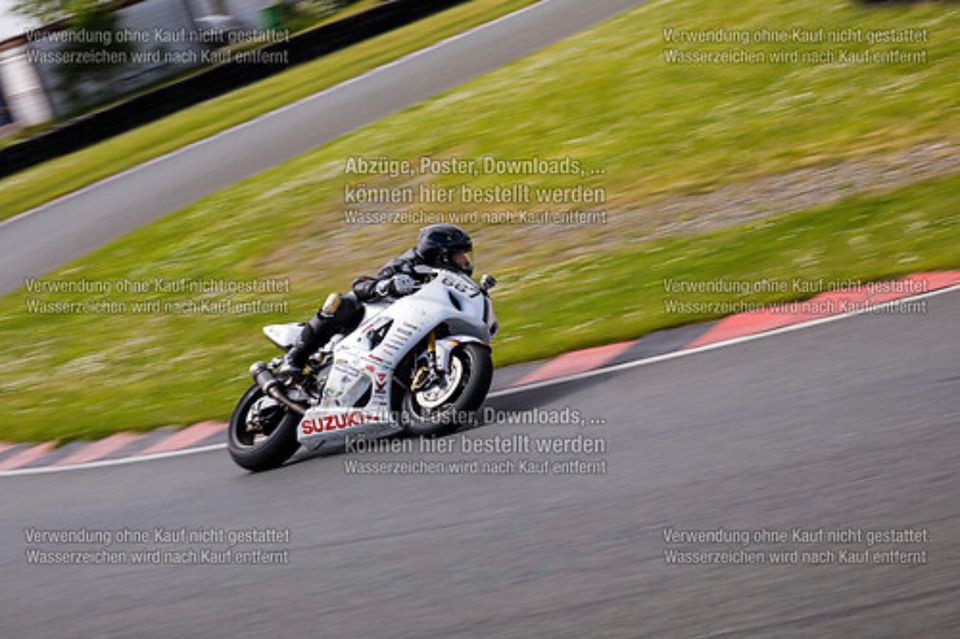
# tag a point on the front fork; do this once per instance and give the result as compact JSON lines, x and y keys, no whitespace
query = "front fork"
{"x":427,"y":373}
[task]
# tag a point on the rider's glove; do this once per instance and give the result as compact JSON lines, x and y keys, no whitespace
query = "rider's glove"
{"x":397,"y":285}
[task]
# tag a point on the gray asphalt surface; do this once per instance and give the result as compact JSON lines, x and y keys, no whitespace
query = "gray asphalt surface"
{"x":68,"y":228}
{"x":852,"y":424}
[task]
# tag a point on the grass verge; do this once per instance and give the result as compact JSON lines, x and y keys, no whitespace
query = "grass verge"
{"x":57,"y":177}
{"x":79,"y":375}
{"x":605,"y":97}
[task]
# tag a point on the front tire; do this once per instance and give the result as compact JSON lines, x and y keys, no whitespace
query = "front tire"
{"x":275,"y":445}
{"x":471,"y":389}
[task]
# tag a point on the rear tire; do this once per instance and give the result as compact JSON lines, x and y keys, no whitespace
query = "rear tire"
{"x":474,"y":384}
{"x":268,"y":452}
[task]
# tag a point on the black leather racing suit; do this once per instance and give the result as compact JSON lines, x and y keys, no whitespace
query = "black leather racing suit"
{"x":364,"y":288}
{"x":333,"y":318}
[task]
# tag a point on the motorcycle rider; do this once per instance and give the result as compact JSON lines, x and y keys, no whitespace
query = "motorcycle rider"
{"x":438,"y":245}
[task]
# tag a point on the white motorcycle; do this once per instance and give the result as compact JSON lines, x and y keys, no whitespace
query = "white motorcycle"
{"x":420,"y":364}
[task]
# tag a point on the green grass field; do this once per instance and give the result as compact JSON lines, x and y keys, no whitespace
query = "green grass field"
{"x":87,"y":375}
{"x":605,"y":97}
{"x":57,"y":177}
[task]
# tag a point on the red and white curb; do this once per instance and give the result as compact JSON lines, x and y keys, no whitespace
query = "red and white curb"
{"x":828,"y":304}
{"x":124,"y":448}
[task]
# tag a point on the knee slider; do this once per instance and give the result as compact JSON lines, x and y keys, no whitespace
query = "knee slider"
{"x":331,"y":305}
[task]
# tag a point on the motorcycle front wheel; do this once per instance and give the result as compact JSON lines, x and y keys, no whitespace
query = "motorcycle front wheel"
{"x":442,"y":408}
{"x":271,"y":440}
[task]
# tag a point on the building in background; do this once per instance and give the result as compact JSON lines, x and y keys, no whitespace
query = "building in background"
{"x":35,"y":89}
{"x":24,"y":96}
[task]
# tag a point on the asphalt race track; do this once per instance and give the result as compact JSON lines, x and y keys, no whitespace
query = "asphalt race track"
{"x":67,"y":228}
{"x":849,"y":424}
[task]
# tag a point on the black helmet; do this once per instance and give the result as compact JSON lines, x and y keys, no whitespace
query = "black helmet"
{"x":445,"y":246}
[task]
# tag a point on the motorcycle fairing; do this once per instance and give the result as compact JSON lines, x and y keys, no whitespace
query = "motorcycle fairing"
{"x":365,"y":359}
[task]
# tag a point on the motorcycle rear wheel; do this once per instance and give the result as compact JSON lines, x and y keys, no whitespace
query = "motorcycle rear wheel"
{"x":269,"y":450}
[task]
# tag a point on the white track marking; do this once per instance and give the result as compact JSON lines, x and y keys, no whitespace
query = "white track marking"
{"x":528,"y":387}
{"x":40,"y":470}
{"x":269,"y":114}
{"x":727,"y":342}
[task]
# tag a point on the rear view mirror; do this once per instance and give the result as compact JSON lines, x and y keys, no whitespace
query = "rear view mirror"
{"x":487,"y":282}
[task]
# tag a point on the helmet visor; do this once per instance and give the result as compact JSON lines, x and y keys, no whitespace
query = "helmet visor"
{"x":461,"y":260}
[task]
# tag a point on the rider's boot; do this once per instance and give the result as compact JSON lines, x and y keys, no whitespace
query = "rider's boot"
{"x":314,"y":335}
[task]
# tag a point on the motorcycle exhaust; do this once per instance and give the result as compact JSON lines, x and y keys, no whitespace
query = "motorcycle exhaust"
{"x":271,"y":386}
